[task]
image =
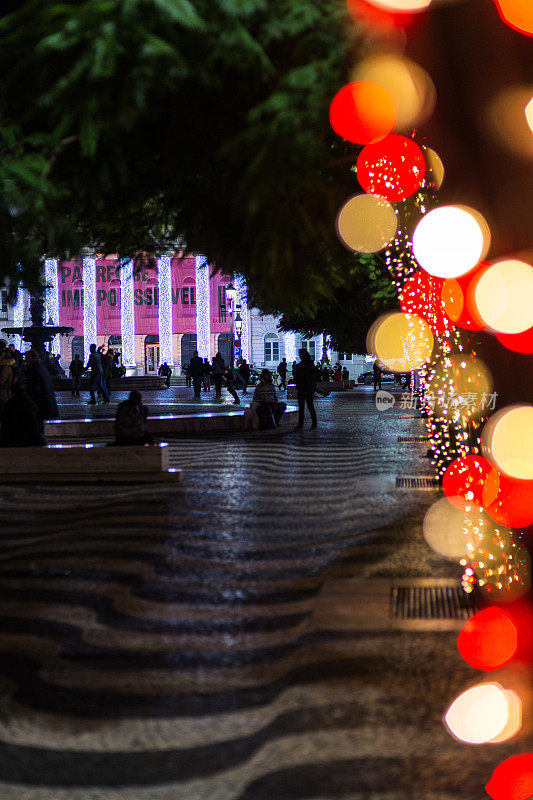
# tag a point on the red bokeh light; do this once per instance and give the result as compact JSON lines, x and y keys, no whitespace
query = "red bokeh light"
{"x":489,"y":639}
{"x":393,"y":168}
{"x":378,"y":18}
{"x":362,"y":112}
{"x":421,"y":295}
{"x":512,"y":779}
{"x":519,"y":342}
{"x":459,"y":301}
{"x":471,"y":480}
{"x":518,"y":14}
{"x":513,"y":504}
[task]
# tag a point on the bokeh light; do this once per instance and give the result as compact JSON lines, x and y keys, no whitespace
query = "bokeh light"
{"x":459,"y":383}
{"x":489,"y":639}
{"x":366,"y":223}
{"x":479,"y":714}
{"x":471,"y":481}
{"x":362,"y":112}
{"x":529,"y":114}
{"x":421,"y":295}
{"x":393,"y":168}
{"x":449,"y":241}
{"x":512,"y":779}
{"x":518,"y":14}
{"x":444,"y":531}
{"x":518,"y":342}
{"x":514,"y":718}
{"x":508,"y":119}
{"x":400,"y":341}
{"x":508,"y":438}
{"x":458,"y":297}
{"x":435,"y":168}
{"x":504,"y":296}
{"x":513,"y":504}
{"x":410,"y":87}
{"x":402,"y":5}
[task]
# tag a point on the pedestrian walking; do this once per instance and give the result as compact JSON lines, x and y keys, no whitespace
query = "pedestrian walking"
{"x":244,"y":371}
{"x":304,"y":375}
{"x":21,"y":425}
{"x":229,"y":380}
{"x":218,"y":369}
{"x":207,"y":375}
{"x":76,"y":370}
{"x":282,"y":372}
{"x":188,"y":376}
{"x":40,"y":387}
{"x":130,"y":421}
{"x":94,"y":364}
{"x":345,"y":374}
{"x":337,"y":374}
{"x":166,"y":372}
{"x":196,"y":369}
{"x":376,"y":369}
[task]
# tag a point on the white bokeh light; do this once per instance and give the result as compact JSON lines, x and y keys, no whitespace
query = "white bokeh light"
{"x":478,"y":715}
{"x":449,"y":241}
{"x":504,"y":296}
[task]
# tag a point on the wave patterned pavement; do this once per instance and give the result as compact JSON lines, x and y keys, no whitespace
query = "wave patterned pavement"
{"x":156,"y":642}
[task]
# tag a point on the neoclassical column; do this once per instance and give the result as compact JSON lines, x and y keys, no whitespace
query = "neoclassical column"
{"x":89,"y":304}
{"x":18,"y":315}
{"x":165,"y":310}
{"x":290,"y":347}
{"x":242,"y":301}
{"x":51,"y":300}
{"x":127,"y":314}
{"x":203,"y":308}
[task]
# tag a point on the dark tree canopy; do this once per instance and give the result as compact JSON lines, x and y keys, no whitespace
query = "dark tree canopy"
{"x":133,"y":125}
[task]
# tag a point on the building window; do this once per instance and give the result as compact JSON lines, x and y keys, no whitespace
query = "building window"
{"x":345,"y":357}
{"x":222,"y":311}
{"x":271,"y":348}
{"x":3,"y":299}
{"x":310,"y":346}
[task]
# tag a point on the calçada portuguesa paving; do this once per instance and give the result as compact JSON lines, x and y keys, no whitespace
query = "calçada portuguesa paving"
{"x":174,"y":642}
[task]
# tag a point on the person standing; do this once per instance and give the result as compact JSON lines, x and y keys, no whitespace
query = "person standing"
{"x":196,"y":368}
{"x":282,"y":372}
{"x":40,"y":387}
{"x":229,"y":380}
{"x":7,"y":375}
{"x":345,"y":374}
{"x":76,"y":371}
{"x":19,"y":361}
{"x":244,"y":370}
{"x":94,"y":364}
{"x":166,"y":372}
{"x":218,"y":369}
{"x":376,"y":369}
{"x":188,"y":378}
{"x":207,"y":375}
{"x":304,"y":376}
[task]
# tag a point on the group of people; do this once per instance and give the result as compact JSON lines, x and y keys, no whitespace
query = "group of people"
{"x":27,"y":397}
{"x":101,"y":366}
{"x":199,"y":373}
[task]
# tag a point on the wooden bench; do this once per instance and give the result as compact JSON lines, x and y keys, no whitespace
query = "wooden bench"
{"x":87,"y":463}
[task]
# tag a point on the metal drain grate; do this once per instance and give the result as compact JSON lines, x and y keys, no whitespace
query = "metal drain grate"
{"x":431,"y":602}
{"x":406,"y":439}
{"x":415,"y":482}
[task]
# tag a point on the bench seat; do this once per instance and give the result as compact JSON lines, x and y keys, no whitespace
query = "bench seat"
{"x":87,"y":463}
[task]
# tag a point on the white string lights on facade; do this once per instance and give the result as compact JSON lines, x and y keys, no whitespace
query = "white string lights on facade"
{"x":242,"y":301}
{"x":18,"y":316}
{"x":165,"y":310}
{"x":127,"y":315}
{"x":290,"y":346}
{"x":203,"y":308}
{"x":51,"y":303}
{"x":89,"y":305}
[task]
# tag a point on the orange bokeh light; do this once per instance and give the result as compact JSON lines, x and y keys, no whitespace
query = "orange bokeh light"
{"x":512,"y":779}
{"x":489,"y":639}
{"x":362,"y":112}
{"x":518,"y":14}
{"x":363,"y":11}
{"x":458,"y":297}
{"x":471,"y":481}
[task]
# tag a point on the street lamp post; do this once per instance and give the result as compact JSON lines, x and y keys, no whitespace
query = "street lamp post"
{"x":231,"y":294}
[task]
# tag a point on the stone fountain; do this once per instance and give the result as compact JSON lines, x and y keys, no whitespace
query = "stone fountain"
{"x":38,"y":335}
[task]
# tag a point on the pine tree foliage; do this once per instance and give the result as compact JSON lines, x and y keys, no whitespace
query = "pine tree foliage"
{"x":131,"y":125}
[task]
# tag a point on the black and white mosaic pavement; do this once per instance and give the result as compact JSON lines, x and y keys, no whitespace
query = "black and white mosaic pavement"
{"x":156,"y":642}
